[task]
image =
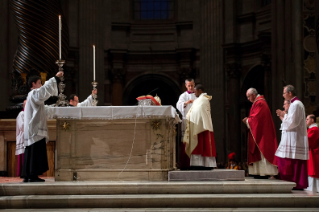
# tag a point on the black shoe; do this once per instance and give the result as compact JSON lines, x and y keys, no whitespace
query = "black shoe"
{"x":36,"y":180}
{"x":25,"y":180}
{"x":298,"y":189}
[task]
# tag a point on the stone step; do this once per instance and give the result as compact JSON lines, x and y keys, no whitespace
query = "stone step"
{"x":291,"y":200}
{"x":250,"y":185}
{"x":214,"y":175}
{"x":166,"y":210}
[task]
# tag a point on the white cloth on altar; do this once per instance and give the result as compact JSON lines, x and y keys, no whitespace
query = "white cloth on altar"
{"x":86,"y":103}
{"x":35,"y":112}
{"x":184,"y":97}
{"x":262,"y":168}
{"x":294,"y":139}
{"x":198,"y":160}
{"x":20,"y":134}
{"x":114,"y":112}
{"x":313,"y":184}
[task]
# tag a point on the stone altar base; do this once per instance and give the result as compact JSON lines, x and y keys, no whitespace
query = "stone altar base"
{"x":213,"y":175}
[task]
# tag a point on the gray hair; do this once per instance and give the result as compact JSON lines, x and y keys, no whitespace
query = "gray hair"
{"x":252,"y":91}
{"x":189,"y":80}
{"x":290,"y":88}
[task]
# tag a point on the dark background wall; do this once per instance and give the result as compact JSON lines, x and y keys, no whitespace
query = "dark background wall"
{"x":226,"y":45}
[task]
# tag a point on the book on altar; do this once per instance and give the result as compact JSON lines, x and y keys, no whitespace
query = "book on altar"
{"x":149,"y":100}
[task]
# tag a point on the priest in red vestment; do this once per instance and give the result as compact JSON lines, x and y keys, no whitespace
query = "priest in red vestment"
{"x":262,"y":141}
{"x":199,"y":135}
{"x":313,"y":162}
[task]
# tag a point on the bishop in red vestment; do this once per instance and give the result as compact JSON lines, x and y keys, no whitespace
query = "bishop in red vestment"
{"x":262,"y":141}
{"x":313,"y":162}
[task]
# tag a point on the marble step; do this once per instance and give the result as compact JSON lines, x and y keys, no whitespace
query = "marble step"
{"x":250,"y":185}
{"x":214,"y":175}
{"x":291,"y":200}
{"x":166,"y":210}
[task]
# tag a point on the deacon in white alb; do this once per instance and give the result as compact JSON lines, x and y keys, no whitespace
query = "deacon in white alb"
{"x":74,"y":100}
{"x":20,"y":139}
{"x":35,"y":127}
{"x":293,"y":151}
{"x":184,"y":103}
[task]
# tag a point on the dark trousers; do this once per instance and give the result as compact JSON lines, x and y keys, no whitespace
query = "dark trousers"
{"x":35,"y":161}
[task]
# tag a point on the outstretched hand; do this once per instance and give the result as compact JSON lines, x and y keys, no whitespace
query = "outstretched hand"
{"x":94,"y":92}
{"x":59,"y":74}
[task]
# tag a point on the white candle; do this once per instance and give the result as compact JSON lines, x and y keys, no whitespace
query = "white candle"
{"x":60,"y":29}
{"x":94,"y":63}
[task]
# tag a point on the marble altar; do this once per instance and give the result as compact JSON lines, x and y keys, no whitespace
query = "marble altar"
{"x":95,"y":143}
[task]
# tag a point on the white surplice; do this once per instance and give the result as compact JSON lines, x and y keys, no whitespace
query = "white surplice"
{"x":35,"y":117}
{"x":184,"y":97}
{"x":86,"y":103}
{"x":294,"y":139}
{"x":19,"y":134}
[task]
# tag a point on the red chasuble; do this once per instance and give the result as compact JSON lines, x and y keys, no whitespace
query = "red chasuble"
{"x":206,"y":145}
{"x":262,"y":135}
{"x":313,"y":162}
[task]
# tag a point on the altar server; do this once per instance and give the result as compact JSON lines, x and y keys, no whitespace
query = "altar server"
{"x":293,"y":151}
{"x":313,"y":162}
{"x":184,"y":103}
{"x":20,"y":139}
{"x":262,"y":141}
{"x":199,"y":135}
{"x":74,"y":100}
{"x":35,"y":127}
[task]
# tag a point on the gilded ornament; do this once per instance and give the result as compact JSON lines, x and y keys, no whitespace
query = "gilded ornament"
{"x":156,"y":124}
{"x":66,"y":126}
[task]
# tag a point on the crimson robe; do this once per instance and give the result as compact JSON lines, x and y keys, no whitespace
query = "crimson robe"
{"x":313,"y":162}
{"x":262,"y":135}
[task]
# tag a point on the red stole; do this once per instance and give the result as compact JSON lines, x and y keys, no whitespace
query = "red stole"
{"x":313,"y":162}
{"x":262,"y":135}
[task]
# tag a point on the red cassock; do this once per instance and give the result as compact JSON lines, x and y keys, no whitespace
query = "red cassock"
{"x":206,"y":145}
{"x":313,"y":162}
{"x":262,"y":135}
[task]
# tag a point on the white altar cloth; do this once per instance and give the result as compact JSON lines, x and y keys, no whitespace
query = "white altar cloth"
{"x":113,"y":112}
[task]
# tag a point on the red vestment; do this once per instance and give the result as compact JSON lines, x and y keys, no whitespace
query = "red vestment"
{"x":206,"y":145}
{"x":262,"y":135}
{"x":313,"y":162}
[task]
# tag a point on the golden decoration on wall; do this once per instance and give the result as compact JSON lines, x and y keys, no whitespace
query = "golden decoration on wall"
{"x":43,"y":77}
{"x":24,"y":77}
{"x":156,"y":124}
{"x":310,"y":64}
{"x":66,"y":126}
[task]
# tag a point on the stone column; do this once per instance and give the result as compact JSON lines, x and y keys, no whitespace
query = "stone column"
{"x":117,"y":86}
{"x":91,"y":32}
{"x":211,"y":66}
{"x":234,"y":122}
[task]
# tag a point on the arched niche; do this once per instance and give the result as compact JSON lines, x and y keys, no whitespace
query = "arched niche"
{"x":166,"y":88}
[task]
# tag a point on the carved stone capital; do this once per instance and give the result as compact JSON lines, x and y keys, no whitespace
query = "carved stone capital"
{"x":233,"y":70}
{"x":185,"y":73}
{"x":265,"y":61}
{"x":118,"y":75}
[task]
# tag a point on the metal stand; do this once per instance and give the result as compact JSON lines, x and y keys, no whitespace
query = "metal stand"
{"x":62,"y":99}
{"x":94,"y":84}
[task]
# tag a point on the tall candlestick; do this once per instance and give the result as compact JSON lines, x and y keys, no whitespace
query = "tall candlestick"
{"x":93,"y":63}
{"x":60,"y":29}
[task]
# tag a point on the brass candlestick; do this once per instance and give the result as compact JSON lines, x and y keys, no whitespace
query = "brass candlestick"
{"x":62,"y":101}
{"x":94,"y":84}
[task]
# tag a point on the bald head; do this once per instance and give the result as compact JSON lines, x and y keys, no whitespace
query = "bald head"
{"x":251,"y":94}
